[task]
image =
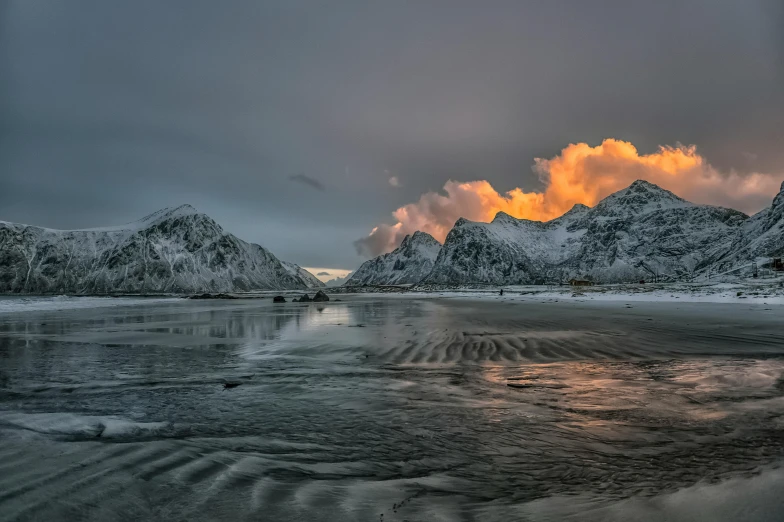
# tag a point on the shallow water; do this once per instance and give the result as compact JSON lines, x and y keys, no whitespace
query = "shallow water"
{"x":414,"y":409}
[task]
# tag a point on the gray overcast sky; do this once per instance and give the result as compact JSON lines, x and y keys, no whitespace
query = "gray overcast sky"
{"x":285,"y":120}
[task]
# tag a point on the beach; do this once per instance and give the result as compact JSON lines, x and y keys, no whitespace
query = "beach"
{"x":460,"y":406}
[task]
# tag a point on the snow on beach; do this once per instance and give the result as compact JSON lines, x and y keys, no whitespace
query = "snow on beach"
{"x":742,"y":291}
{"x":703,"y":293}
{"x":82,"y":426}
{"x":12,"y":304}
{"x":769,"y":292}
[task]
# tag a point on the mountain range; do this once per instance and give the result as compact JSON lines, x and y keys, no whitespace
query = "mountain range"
{"x":174,"y":250}
{"x":642,"y":232}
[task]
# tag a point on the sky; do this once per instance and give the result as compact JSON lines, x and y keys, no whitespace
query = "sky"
{"x":305,"y":125}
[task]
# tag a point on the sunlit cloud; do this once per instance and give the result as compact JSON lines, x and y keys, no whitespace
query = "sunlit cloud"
{"x":579,"y":174}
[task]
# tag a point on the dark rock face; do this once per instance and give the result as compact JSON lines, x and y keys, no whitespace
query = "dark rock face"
{"x":304,"y":299}
{"x":278,"y":299}
{"x":320,"y":297}
{"x":170,"y":251}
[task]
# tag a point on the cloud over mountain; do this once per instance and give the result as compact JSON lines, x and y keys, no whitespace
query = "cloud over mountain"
{"x":579,"y":174}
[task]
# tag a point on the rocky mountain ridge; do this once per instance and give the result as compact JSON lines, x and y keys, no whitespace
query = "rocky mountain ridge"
{"x":173,"y":250}
{"x":642,"y":232}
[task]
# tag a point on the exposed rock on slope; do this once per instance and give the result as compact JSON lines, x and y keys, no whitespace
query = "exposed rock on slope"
{"x":172,"y":250}
{"x":408,"y":263}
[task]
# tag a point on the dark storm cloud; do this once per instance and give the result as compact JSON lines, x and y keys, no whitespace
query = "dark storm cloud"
{"x":109,"y":110}
{"x":307,"y":180}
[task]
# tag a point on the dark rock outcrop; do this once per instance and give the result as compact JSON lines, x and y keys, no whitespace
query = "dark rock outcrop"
{"x":213,"y":296}
{"x":320,"y":297}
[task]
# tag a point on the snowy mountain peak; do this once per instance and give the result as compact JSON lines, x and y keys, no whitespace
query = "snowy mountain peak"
{"x":408,"y":263}
{"x":422,"y":236}
{"x":779,"y":199}
{"x":648,"y":189}
{"x":641,"y":197}
{"x":169,"y":213}
{"x":503,"y":217}
{"x":418,"y":238}
{"x":576,"y":212}
{"x":637,"y":183}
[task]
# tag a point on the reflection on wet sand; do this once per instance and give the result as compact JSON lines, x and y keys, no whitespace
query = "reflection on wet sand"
{"x":417,"y":409}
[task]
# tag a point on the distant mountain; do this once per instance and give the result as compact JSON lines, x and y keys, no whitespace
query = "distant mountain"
{"x":338,"y":281}
{"x":176,"y":250}
{"x":296,"y":270}
{"x":640,"y":232}
{"x":408,"y":263}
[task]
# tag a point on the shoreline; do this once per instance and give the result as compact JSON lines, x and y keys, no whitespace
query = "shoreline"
{"x":770,"y":292}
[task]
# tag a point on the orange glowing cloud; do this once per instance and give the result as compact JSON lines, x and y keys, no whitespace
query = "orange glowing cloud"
{"x":580,"y":174}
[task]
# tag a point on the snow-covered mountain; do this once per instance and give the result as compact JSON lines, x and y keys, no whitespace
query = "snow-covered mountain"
{"x":640,"y":232}
{"x":761,"y":236}
{"x":309,"y":279}
{"x":408,"y":263}
{"x":172,"y":250}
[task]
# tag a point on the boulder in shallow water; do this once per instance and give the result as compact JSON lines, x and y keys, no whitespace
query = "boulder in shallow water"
{"x":278,"y":299}
{"x":320,"y":297}
{"x":304,"y":299}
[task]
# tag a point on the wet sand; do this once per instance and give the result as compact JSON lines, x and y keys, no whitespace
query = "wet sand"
{"x":411,"y":408}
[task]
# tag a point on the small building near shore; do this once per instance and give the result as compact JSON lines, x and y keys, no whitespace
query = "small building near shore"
{"x":580,"y":282}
